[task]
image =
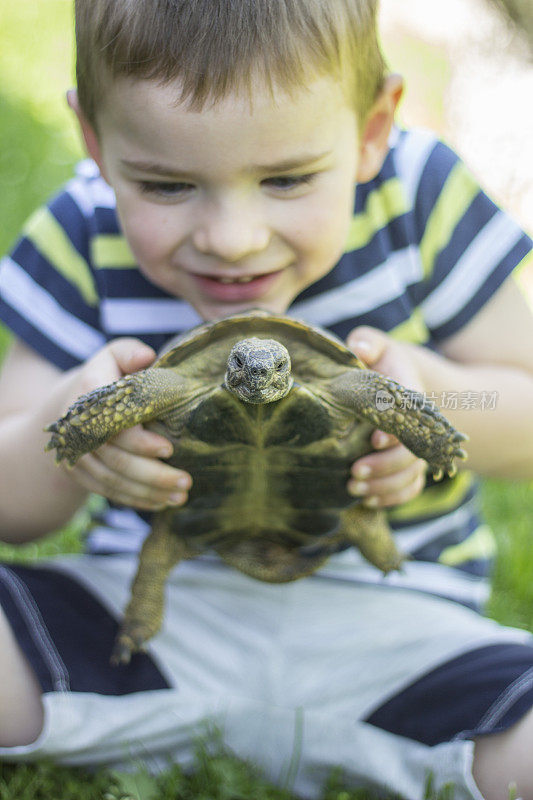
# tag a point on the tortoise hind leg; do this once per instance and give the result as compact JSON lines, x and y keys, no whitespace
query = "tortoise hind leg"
{"x":161,"y":551}
{"x":369,"y":531}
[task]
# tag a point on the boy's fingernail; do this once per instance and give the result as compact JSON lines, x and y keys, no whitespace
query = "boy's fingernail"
{"x":363,"y":471}
{"x":361,"y":347}
{"x":177,"y":498}
{"x":183,"y":483}
{"x":139,"y":353}
{"x":165,"y":451}
{"x":358,"y":487}
{"x":371,"y":502}
{"x":143,"y":350}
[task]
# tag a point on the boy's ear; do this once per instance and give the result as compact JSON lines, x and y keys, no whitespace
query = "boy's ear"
{"x":373,"y":146}
{"x":87,"y":131}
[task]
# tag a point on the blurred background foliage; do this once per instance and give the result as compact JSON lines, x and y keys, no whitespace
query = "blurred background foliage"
{"x":520,"y":14}
{"x":38,"y":141}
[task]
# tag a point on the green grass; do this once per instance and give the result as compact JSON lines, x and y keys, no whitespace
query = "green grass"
{"x":214,"y":776}
{"x":508,"y":507}
{"x":38,"y":147}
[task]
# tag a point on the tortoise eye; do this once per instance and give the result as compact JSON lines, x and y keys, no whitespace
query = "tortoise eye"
{"x":238,"y":361}
{"x":280,"y":367}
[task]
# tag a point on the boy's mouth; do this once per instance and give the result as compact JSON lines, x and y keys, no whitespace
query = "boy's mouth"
{"x":237,"y":288}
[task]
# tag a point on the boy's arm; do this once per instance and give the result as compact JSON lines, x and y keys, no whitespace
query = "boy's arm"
{"x":488,"y":368}
{"x":30,"y":492}
{"x":36,"y":496}
{"x":491,"y":358}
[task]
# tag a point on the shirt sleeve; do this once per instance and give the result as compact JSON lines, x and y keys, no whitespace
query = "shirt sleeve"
{"x":48,"y":288}
{"x":467,"y":245}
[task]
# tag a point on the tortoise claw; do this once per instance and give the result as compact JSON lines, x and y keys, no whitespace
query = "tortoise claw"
{"x":437,"y":474}
{"x":460,"y":437}
{"x":128,"y":643}
{"x":121,"y":655}
{"x":63,"y":450}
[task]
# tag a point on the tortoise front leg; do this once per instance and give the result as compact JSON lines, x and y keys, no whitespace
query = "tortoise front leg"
{"x":406,"y":414}
{"x":99,"y":415}
{"x":161,"y":551}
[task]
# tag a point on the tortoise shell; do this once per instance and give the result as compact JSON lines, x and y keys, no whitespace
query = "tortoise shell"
{"x":276,"y":471}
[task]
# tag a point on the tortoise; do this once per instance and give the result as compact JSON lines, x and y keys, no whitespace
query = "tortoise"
{"x":267,"y":414}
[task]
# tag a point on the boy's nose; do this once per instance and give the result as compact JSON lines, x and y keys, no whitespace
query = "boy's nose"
{"x":231,"y":234}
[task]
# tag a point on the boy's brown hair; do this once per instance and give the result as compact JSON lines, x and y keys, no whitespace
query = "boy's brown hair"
{"x":216,"y":46}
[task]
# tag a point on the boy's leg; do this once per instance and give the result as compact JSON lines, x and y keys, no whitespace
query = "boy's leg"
{"x":21,"y":708}
{"x":505,"y":758}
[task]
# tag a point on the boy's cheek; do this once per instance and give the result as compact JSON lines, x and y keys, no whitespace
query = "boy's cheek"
{"x":148,"y":236}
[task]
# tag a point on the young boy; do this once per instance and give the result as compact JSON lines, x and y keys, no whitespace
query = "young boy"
{"x":244,"y":155}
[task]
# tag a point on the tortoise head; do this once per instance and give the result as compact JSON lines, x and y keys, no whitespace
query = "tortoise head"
{"x":259,"y":370}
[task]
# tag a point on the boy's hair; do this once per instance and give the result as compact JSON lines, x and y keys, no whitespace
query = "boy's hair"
{"x":216,"y":46}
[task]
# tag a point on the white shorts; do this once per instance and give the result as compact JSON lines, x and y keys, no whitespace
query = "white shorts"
{"x":378,"y":680}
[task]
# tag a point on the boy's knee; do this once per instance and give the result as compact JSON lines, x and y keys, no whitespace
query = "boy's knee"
{"x":21,"y":708}
{"x":502,"y":760}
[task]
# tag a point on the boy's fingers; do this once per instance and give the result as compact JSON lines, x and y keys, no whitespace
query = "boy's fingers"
{"x":150,"y":471}
{"x":137,"y":441}
{"x":96,"y":476}
{"x":381,"y":440}
{"x":391,"y":484}
{"x":117,"y":358}
{"x":131,"y":354}
{"x":367,"y":343}
{"x":386,"y":462}
{"x":141,"y":442}
{"x":396,"y":497}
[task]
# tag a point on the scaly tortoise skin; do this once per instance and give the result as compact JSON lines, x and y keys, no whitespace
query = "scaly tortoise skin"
{"x":267,"y":414}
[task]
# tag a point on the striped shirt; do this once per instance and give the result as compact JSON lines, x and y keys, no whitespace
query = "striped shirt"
{"x":426,"y":249}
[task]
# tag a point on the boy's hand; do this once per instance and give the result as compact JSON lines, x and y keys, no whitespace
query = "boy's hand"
{"x":395,"y":475}
{"x":127,"y":469}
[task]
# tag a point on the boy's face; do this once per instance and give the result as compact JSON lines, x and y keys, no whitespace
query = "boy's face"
{"x":232,"y":207}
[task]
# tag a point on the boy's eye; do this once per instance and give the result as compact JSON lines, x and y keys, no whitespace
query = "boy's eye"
{"x":164,"y":188}
{"x":287,"y":182}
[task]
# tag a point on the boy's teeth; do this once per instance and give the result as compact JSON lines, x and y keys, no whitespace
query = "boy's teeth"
{"x":235,"y":280}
